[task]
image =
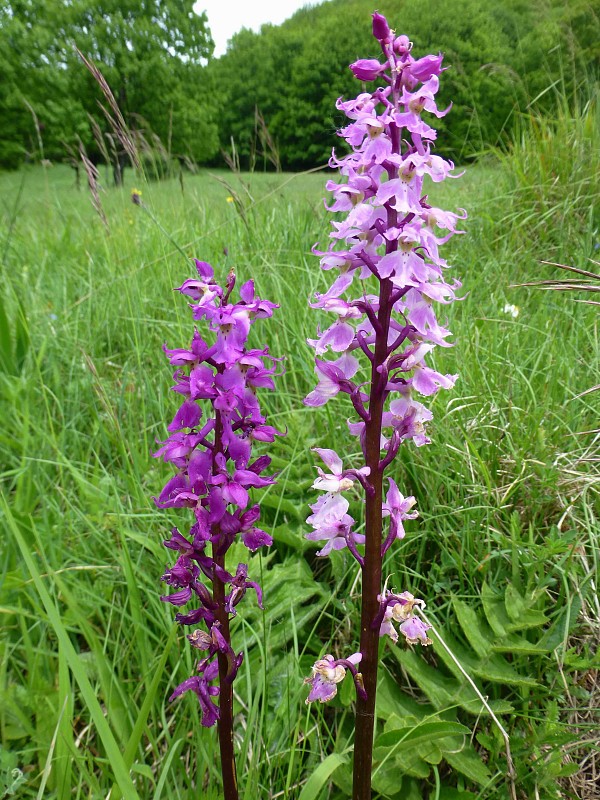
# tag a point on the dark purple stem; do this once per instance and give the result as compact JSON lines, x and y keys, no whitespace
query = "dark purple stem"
{"x":225,"y":723}
{"x":371,"y":572}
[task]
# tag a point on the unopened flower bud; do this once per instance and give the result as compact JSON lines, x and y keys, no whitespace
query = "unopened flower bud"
{"x":367,"y":69}
{"x":381,"y":29}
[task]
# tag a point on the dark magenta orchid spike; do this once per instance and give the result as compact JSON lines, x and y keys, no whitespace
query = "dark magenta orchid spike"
{"x":210,"y":446}
{"x":386,"y":247}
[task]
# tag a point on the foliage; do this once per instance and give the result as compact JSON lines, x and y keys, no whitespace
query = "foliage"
{"x":149,"y":53}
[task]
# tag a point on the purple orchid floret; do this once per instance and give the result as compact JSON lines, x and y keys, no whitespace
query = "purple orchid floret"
{"x":200,"y":685}
{"x":211,"y":441}
{"x":397,"y":508}
{"x":327,"y":672}
{"x":387,"y":292}
{"x":399,"y":608}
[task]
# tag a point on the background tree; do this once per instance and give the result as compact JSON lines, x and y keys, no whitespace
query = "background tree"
{"x":150,"y":54}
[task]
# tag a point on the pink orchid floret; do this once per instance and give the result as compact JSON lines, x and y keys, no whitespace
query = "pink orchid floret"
{"x":339,"y":480}
{"x":398,"y":508}
{"x":326,"y":673}
{"x":400,"y":609}
{"x":334,"y":377}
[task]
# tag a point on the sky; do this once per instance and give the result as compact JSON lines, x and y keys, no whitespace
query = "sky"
{"x":226,"y":17}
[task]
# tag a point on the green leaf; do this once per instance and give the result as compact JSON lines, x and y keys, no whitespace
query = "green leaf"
{"x":143,"y":769}
{"x":444,"y":692}
{"x":321,"y":776}
{"x":519,"y":610}
{"x":405,"y":738}
{"x":291,"y":537}
{"x":491,"y":668}
{"x":468,"y":763}
{"x":518,"y":645}
{"x":141,"y":722}
{"x":393,"y":701}
{"x":569,"y":769}
{"x":495,"y":610}
{"x":165,"y":767}
{"x":478,"y":636}
{"x":21,"y":337}
{"x":555,"y":635}
{"x":387,"y":779}
{"x":282,"y":504}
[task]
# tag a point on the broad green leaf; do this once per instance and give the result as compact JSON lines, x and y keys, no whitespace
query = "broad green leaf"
{"x":291,"y":536}
{"x":282,"y":504}
{"x":411,"y":790}
{"x":449,"y":793}
{"x":468,"y":763}
{"x":555,"y":635}
{"x":519,"y":611}
{"x":495,"y":610}
{"x":518,"y":645}
{"x":439,"y":690}
{"x":478,"y":635}
{"x":409,"y":763}
{"x":490,"y":668}
{"x":433,"y":753}
{"x":405,"y":738}
{"x":388,"y":778}
{"x":392,"y":701}
{"x":442,"y":691}
{"x":321,"y":776}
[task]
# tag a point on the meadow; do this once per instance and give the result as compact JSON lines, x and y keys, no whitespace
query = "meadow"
{"x":505,"y":549}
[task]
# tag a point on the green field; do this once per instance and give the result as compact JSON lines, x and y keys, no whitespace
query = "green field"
{"x":504,"y":552}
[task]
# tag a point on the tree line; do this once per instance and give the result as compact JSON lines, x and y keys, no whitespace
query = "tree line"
{"x":269,"y":102}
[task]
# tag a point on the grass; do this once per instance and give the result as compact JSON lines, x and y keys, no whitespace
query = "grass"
{"x":507,"y":493}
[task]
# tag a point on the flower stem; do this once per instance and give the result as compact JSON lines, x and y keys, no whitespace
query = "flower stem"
{"x":225,"y":723}
{"x":371,"y":573}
